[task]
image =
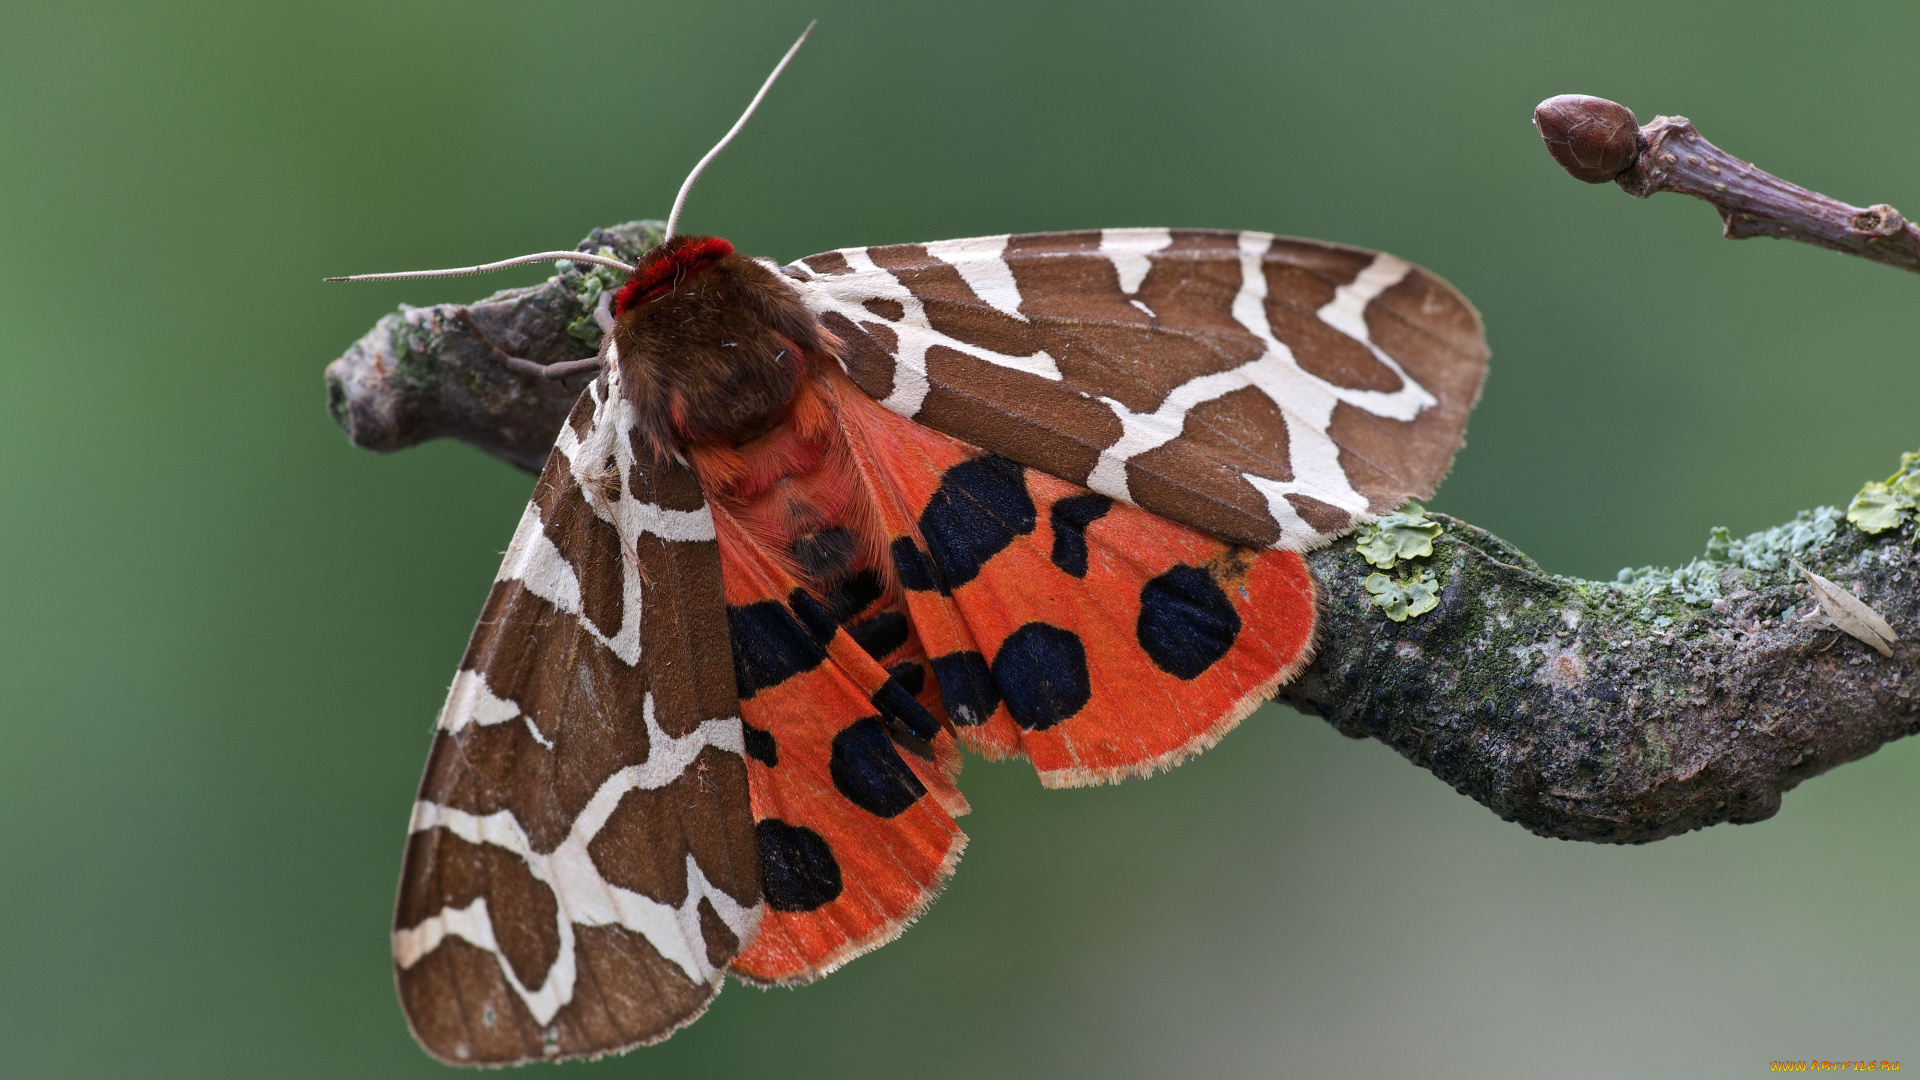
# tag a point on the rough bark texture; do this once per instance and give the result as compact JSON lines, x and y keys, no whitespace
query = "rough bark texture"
{"x":1618,"y":712}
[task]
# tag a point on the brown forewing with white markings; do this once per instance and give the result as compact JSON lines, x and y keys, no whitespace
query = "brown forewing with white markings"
{"x":1267,"y":390}
{"x":581,"y":864}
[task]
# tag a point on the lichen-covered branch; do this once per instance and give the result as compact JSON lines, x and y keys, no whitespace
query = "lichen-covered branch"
{"x":1598,"y":140}
{"x":1632,"y":710}
{"x":437,"y":372}
{"x":1621,"y":711}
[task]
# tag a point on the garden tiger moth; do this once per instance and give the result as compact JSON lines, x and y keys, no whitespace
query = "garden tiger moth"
{"x":811,"y":529}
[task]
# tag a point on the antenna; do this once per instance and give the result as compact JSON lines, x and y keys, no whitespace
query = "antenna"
{"x":673,"y":218}
{"x":486,"y":268}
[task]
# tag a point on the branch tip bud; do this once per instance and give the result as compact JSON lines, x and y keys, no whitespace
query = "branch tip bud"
{"x":1592,"y":138}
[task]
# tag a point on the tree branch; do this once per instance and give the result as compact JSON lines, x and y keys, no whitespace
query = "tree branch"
{"x":1619,"y":712}
{"x":439,"y":372}
{"x":1599,"y":140}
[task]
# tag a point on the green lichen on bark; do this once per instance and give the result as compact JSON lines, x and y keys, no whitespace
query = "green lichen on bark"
{"x":1404,"y":597}
{"x":588,"y":280}
{"x":1700,"y":581}
{"x":1407,"y":533}
{"x":1885,"y":504}
{"x":1623,"y":711}
{"x":1403,"y":538}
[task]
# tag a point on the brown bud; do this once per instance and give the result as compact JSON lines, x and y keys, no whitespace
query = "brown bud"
{"x":1592,"y":138}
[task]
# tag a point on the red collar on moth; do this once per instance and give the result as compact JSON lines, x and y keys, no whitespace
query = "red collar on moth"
{"x":683,"y":255}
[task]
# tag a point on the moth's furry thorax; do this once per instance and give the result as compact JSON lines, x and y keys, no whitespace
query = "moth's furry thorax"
{"x":712,"y":346}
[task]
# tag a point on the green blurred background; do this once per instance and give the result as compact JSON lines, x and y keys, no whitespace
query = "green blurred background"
{"x":226,"y":632}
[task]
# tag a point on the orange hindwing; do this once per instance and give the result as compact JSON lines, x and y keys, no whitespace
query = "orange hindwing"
{"x":1094,"y":638}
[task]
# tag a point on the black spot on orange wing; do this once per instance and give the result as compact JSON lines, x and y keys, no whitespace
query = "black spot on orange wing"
{"x":904,"y":710}
{"x":760,"y":745}
{"x":868,"y":770}
{"x":1186,"y":622}
{"x":881,"y":634}
{"x":797,"y":869}
{"x":1014,"y":649}
{"x":981,"y":506}
{"x":855,"y":595}
{"x":915,"y":569}
{"x":1042,"y":673}
{"x":847,"y":883}
{"x":813,"y":615}
{"x":911,"y":674}
{"x":1070,"y":518}
{"x":966,"y":687}
{"x":769,"y":646}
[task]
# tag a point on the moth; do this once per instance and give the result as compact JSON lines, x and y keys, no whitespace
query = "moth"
{"x":813,"y":528}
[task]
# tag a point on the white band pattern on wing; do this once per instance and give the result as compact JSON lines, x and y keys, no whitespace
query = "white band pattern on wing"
{"x":1305,"y":399}
{"x":471,"y":701}
{"x":601,"y":464}
{"x":583,"y":895}
{"x":1129,"y":251}
{"x":980,"y":265}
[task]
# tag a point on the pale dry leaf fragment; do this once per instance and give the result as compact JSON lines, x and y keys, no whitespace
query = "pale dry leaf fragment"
{"x":1850,"y":613}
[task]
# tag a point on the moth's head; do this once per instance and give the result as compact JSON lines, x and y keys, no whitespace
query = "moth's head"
{"x":711,"y":345}
{"x":666,"y":266}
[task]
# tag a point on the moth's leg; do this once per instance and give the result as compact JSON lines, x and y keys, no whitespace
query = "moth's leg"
{"x":570,"y":367}
{"x":528,"y":367}
{"x":603,"y":314}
